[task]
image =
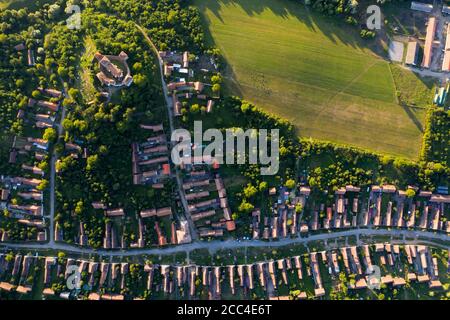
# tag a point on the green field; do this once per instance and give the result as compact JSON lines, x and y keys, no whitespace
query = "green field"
{"x":315,"y":72}
{"x":18,"y":4}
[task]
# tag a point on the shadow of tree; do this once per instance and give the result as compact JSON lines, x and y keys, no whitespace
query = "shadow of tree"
{"x":409,"y":112}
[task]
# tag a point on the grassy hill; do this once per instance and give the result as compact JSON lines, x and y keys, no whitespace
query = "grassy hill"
{"x":313,"y":71}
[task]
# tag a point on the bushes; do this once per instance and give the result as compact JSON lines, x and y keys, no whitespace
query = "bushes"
{"x":436,"y":139}
{"x":350,"y":20}
{"x":334,"y":7}
{"x":367,"y":34}
{"x":344,"y":8}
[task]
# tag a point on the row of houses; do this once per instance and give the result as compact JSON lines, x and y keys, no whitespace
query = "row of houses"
{"x":371,"y":266}
{"x":379,"y":206}
{"x":42,"y":111}
{"x":283,"y":220}
{"x":19,"y":269}
{"x":42,"y":117}
{"x":150,"y":159}
{"x":154,"y":218}
{"x":22,"y":196}
{"x":114,"y":238}
{"x":208,"y":202}
{"x":24,"y":203}
{"x":393,"y":208}
{"x":156,"y":213}
{"x":189,"y":97}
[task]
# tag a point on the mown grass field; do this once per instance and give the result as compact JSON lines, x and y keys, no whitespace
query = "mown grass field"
{"x":85,"y":82}
{"x":314,"y":71}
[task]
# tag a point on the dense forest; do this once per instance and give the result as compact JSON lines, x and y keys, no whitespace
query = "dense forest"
{"x":172,"y":24}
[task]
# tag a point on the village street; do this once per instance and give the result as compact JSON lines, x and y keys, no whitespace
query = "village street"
{"x":51,"y":235}
{"x":408,"y":237}
{"x":169,"y":105}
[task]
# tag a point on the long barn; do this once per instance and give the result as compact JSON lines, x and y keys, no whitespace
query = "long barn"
{"x":427,"y":51}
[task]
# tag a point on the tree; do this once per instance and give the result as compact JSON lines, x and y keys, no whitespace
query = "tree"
{"x":137,"y":66}
{"x":53,"y":11}
{"x":172,"y":17}
{"x":9,"y":257}
{"x":61,"y":255}
{"x":245,"y":207}
{"x":20,"y":83}
{"x":353,"y":6}
{"x":263,"y":186}
{"x":140,"y":80}
{"x":50,"y":135}
{"x":36,"y":94}
{"x":290,"y":184}
{"x":216,"y":88}
{"x":216,"y":78}
{"x":63,"y":72}
{"x":74,"y":93}
{"x":43,"y":165}
{"x":43,"y":185}
{"x":410,"y":193}
{"x":92,"y":160}
{"x":250,"y":191}
{"x":195,"y":108}
{"x":67,"y":124}
{"x":247,"y":107}
{"x":351,"y":20}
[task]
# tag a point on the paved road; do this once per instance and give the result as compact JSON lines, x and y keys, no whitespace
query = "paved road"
{"x":443,"y":76}
{"x":169,"y":105}
{"x":416,"y":236}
